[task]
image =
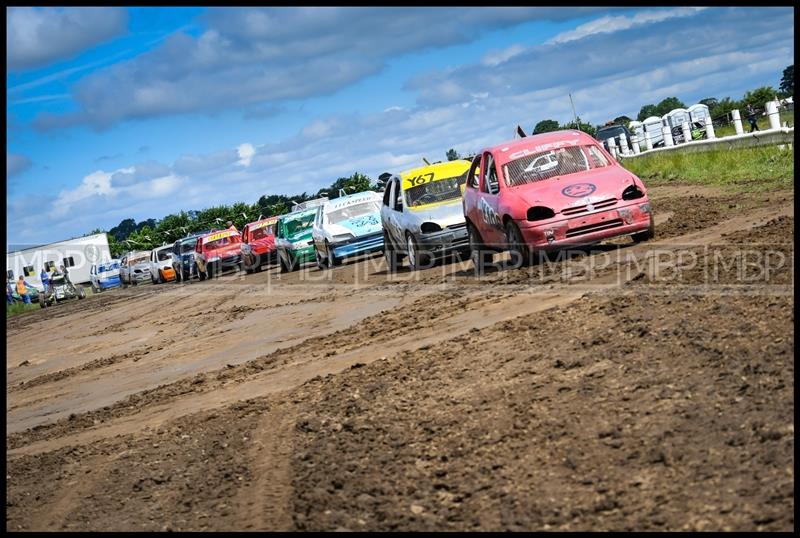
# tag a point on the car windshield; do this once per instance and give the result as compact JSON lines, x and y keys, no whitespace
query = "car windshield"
{"x":260,"y":233}
{"x":299,"y":224}
{"x":552,"y":163}
{"x":352,"y":211}
{"x":108,"y":267}
{"x":222,"y":242}
{"x":134,"y":261}
{"x":188,"y":246}
{"x":163,"y":254}
{"x":432,"y":192}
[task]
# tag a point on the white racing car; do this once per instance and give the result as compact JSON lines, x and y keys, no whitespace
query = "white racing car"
{"x":347,"y":226}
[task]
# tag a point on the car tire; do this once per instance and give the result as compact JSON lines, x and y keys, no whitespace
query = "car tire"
{"x":201,"y":275}
{"x":480,"y":256}
{"x":416,"y":259}
{"x":320,"y":264}
{"x":81,"y":294}
{"x":94,"y":288}
{"x":124,"y":283}
{"x":248,"y":267}
{"x":520,"y":252}
{"x":391,"y":255}
{"x":646,"y":235}
{"x":284,"y":265}
{"x":332,"y":261}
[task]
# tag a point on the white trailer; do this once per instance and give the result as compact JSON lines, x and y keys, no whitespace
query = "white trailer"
{"x":652,"y":128}
{"x":676,"y":118}
{"x":77,"y":255}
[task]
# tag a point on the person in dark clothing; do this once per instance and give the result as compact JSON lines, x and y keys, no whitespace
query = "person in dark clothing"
{"x":751,"y":117}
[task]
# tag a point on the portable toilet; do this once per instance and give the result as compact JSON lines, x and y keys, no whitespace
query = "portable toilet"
{"x":676,"y":118}
{"x":637,"y":128}
{"x":652,"y":129}
{"x":699,"y":113}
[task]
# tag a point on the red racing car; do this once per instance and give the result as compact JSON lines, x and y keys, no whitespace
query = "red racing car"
{"x":258,"y":244}
{"x":548,"y":191}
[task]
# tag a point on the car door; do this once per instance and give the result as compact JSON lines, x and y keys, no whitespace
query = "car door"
{"x":490,"y":228}
{"x":472,"y":192}
{"x":317,"y":233}
{"x":395,"y":215}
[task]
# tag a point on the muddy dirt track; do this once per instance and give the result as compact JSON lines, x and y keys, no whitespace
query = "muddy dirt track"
{"x":621,"y":387}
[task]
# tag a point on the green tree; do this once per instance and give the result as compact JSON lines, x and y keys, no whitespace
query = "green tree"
{"x":723,"y":107}
{"x":646,"y":111}
{"x":123,"y":229}
{"x":452,"y":155}
{"x":758,"y":98}
{"x":667,"y":105}
{"x":546,"y":126}
{"x":357,"y":182}
{"x":710,"y":102}
{"x":587,"y":128}
{"x":622,"y":120}
{"x":787,"y":82}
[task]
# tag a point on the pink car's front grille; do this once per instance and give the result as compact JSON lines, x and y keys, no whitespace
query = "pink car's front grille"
{"x":576,"y":210}
{"x":596,"y":227}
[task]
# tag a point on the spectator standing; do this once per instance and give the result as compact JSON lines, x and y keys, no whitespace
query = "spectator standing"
{"x":22,"y":290}
{"x":751,"y":117}
{"x":44,"y":276}
{"x":9,"y":292}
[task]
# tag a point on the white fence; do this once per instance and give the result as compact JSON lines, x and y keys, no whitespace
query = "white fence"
{"x":775,"y":135}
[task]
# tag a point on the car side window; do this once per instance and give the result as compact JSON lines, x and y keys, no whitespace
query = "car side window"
{"x":387,"y":192}
{"x":124,"y":261}
{"x":490,"y":183}
{"x":397,"y":194}
{"x":474,"y":174}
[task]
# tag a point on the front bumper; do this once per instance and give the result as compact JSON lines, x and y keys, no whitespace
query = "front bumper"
{"x":586,"y":229}
{"x":106,"y":283}
{"x":359,"y":245}
{"x":168,"y":274}
{"x":141,"y":276}
{"x":451,"y":238}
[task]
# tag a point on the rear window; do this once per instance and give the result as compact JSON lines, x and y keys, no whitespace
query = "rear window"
{"x":551,"y":163}
{"x":107,"y":267}
{"x":260,"y":233}
{"x":222,"y":242}
{"x":163,"y":255}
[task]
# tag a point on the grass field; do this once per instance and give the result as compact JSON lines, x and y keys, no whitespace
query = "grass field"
{"x":21,"y":308}
{"x":763,"y":124}
{"x":745,"y":169}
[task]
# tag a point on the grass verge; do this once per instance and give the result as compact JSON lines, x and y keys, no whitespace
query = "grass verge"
{"x":19,"y":308}
{"x":741,"y":170}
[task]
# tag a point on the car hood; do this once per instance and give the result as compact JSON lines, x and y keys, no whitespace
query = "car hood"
{"x":358,"y":226}
{"x":575,"y":189}
{"x":304,"y":235}
{"x":141,"y":266}
{"x":445,"y":214}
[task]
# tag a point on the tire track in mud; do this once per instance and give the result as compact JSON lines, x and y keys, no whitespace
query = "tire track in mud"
{"x":369,"y":442}
{"x":404,"y":322}
{"x":86,"y":367}
{"x":372,"y":329}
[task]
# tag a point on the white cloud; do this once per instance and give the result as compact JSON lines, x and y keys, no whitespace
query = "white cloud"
{"x":246,"y":152}
{"x":609,"y":24}
{"x":495,"y":57}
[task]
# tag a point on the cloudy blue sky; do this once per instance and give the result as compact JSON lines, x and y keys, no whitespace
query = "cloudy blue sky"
{"x":140,"y":112}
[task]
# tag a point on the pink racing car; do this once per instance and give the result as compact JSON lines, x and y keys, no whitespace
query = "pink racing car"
{"x":548,"y":191}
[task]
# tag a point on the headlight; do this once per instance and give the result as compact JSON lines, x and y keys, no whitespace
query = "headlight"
{"x":430,"y":227}
{"x":246,"y":248}
{"x":540,"y":212}
{"x":298,"y":245}
{"x":214,"y":259}
{"x":342,"y":237}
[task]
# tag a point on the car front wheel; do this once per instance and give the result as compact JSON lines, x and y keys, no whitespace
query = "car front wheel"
{"x":520,"y":253}
{"x":646,"y":235}
{"x":481,"y":257}
{"x":416,"y":259}
{"x":392,"y":258}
